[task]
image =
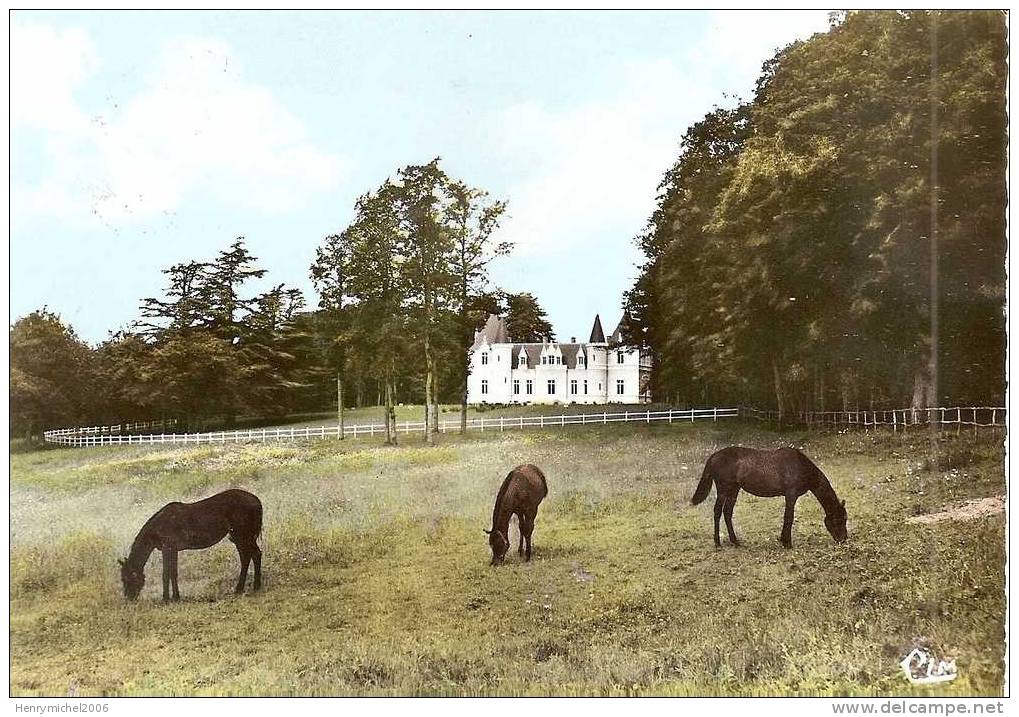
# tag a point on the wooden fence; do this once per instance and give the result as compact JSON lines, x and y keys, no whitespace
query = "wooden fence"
{"x":81,"y":438}
{"x":896,"y":419}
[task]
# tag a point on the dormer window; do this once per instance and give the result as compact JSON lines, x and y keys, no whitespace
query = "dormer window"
{"x":522,"y":361}
{"x":619,"y":356}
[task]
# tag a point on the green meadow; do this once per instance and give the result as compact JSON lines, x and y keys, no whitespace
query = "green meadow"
{"x":377,"y":578}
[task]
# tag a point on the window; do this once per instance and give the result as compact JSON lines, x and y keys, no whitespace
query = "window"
{"x":498,"y":357}
{"x":619,"y":358}
{"x":544,"y":359}
{"x":516,"y":388}
{"x":581,"y":361}
{"x":573,"y":387}
{"x":559,"y":360}
{"x":585,"y":388}
{"x":530,"y":387}
{"x":523,"y":361}
{"x":484,"y":385}
{"x":551,"y":387}
{"x":620,"y":387}
{"x":484,"y":359}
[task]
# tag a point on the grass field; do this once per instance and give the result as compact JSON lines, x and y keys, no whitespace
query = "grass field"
{"x":377,"y":576}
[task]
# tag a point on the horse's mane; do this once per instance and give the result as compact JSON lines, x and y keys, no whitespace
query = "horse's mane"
{"x":502,"y":494}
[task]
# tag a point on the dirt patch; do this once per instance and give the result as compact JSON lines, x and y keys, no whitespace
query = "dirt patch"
{"x":970,"y":510}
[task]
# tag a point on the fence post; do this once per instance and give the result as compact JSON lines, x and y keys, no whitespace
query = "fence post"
{"x":649,"y":416}
{"x":670,"y":415}
{"x":714,"y":416}
{"x":501,"y":427}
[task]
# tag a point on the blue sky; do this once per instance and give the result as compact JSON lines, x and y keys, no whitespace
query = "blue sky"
{"x":142,"y":139}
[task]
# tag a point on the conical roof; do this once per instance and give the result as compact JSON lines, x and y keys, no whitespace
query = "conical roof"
{"x":494,"y":332}
{"x":597,"y":334}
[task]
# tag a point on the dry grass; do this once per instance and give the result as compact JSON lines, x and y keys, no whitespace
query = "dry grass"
{"x":377,"y":577}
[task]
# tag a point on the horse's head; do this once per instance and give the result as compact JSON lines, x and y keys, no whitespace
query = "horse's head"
{"x":835,"y":522}
{"x":133,"y":579}
{"x":499,"y":545}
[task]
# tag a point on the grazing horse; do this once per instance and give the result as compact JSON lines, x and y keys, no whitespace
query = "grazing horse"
{"x":782,"y":472}
{"x":193,"y":526}
{"x":521,"y":493}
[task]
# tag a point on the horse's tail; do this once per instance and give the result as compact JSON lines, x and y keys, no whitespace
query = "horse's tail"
{"x":259,"y":537}
{"x":704,"y":487}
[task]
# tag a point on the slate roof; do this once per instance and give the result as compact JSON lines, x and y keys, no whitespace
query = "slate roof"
{"x":494,"y":331}
{"x":569,"y":352}
{"x":597,"y":335}
{"x":617,"y":334}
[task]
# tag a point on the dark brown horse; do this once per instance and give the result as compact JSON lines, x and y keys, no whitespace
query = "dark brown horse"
{"x":521,"y":493}
{"x":193,"y":526}
{"x":782,"y":472}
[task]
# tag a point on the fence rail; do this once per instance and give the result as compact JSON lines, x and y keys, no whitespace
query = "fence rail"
{"x":77,"y":437}
{"x":897,"y":419}
{"x":120,"y":428}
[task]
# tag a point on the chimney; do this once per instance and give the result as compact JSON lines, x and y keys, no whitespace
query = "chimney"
{"x":573,"y":339}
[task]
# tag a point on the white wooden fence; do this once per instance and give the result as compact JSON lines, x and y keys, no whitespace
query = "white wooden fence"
{"x":896,"y":419}
{"x":81,"y":438}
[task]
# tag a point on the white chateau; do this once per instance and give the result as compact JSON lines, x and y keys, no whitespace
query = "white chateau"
{"x":599,"y":371}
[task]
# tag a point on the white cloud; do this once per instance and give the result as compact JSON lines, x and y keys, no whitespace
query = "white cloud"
{"x":46,"y":65}
{"x":596,"y":167}
{"x":741,"y":40}
{"x":197,"y":128}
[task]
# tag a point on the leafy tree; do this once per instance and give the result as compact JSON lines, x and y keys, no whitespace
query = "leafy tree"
{"x":526,"y":321}
{"x":472,"y":218}
{"x":52,"y":374}
{"x":790,"y":251}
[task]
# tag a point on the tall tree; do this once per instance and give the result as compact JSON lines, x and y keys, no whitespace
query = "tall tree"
{"x":429,"y":251}
{"x":329,"y":274}
{"x":526,"y":321}
{"x":52,"y":374}
{"x":472,"y":218}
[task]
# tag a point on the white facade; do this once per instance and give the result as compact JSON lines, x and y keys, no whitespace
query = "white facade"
{"x":598,"y":371}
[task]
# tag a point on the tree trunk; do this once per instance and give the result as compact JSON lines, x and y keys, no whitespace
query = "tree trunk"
{"x":779,"y":400}
{"x":392,"y":410}
{"x":339,"y":403}
{"x":390,"y":433}
{"x":429,"y":387}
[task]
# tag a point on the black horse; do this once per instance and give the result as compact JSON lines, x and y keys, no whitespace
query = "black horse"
{"x":193,"y":526}
{"x":782,"y":472}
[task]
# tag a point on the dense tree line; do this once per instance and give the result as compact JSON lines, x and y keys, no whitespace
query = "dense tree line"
{"x":401,"y":292}
{"x":788,"y":261}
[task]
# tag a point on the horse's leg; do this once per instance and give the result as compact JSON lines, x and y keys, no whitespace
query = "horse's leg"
{"x":719,"y":502}
{"x":520,"y":529}
{"x":727,"y":509}
{"x":244,"y":552}
{"x":527,"y":527}
{"x":256,"y":553}
{"x":173,"y":575}
{"x":787,"y":522}
{"x":167,"y":559}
